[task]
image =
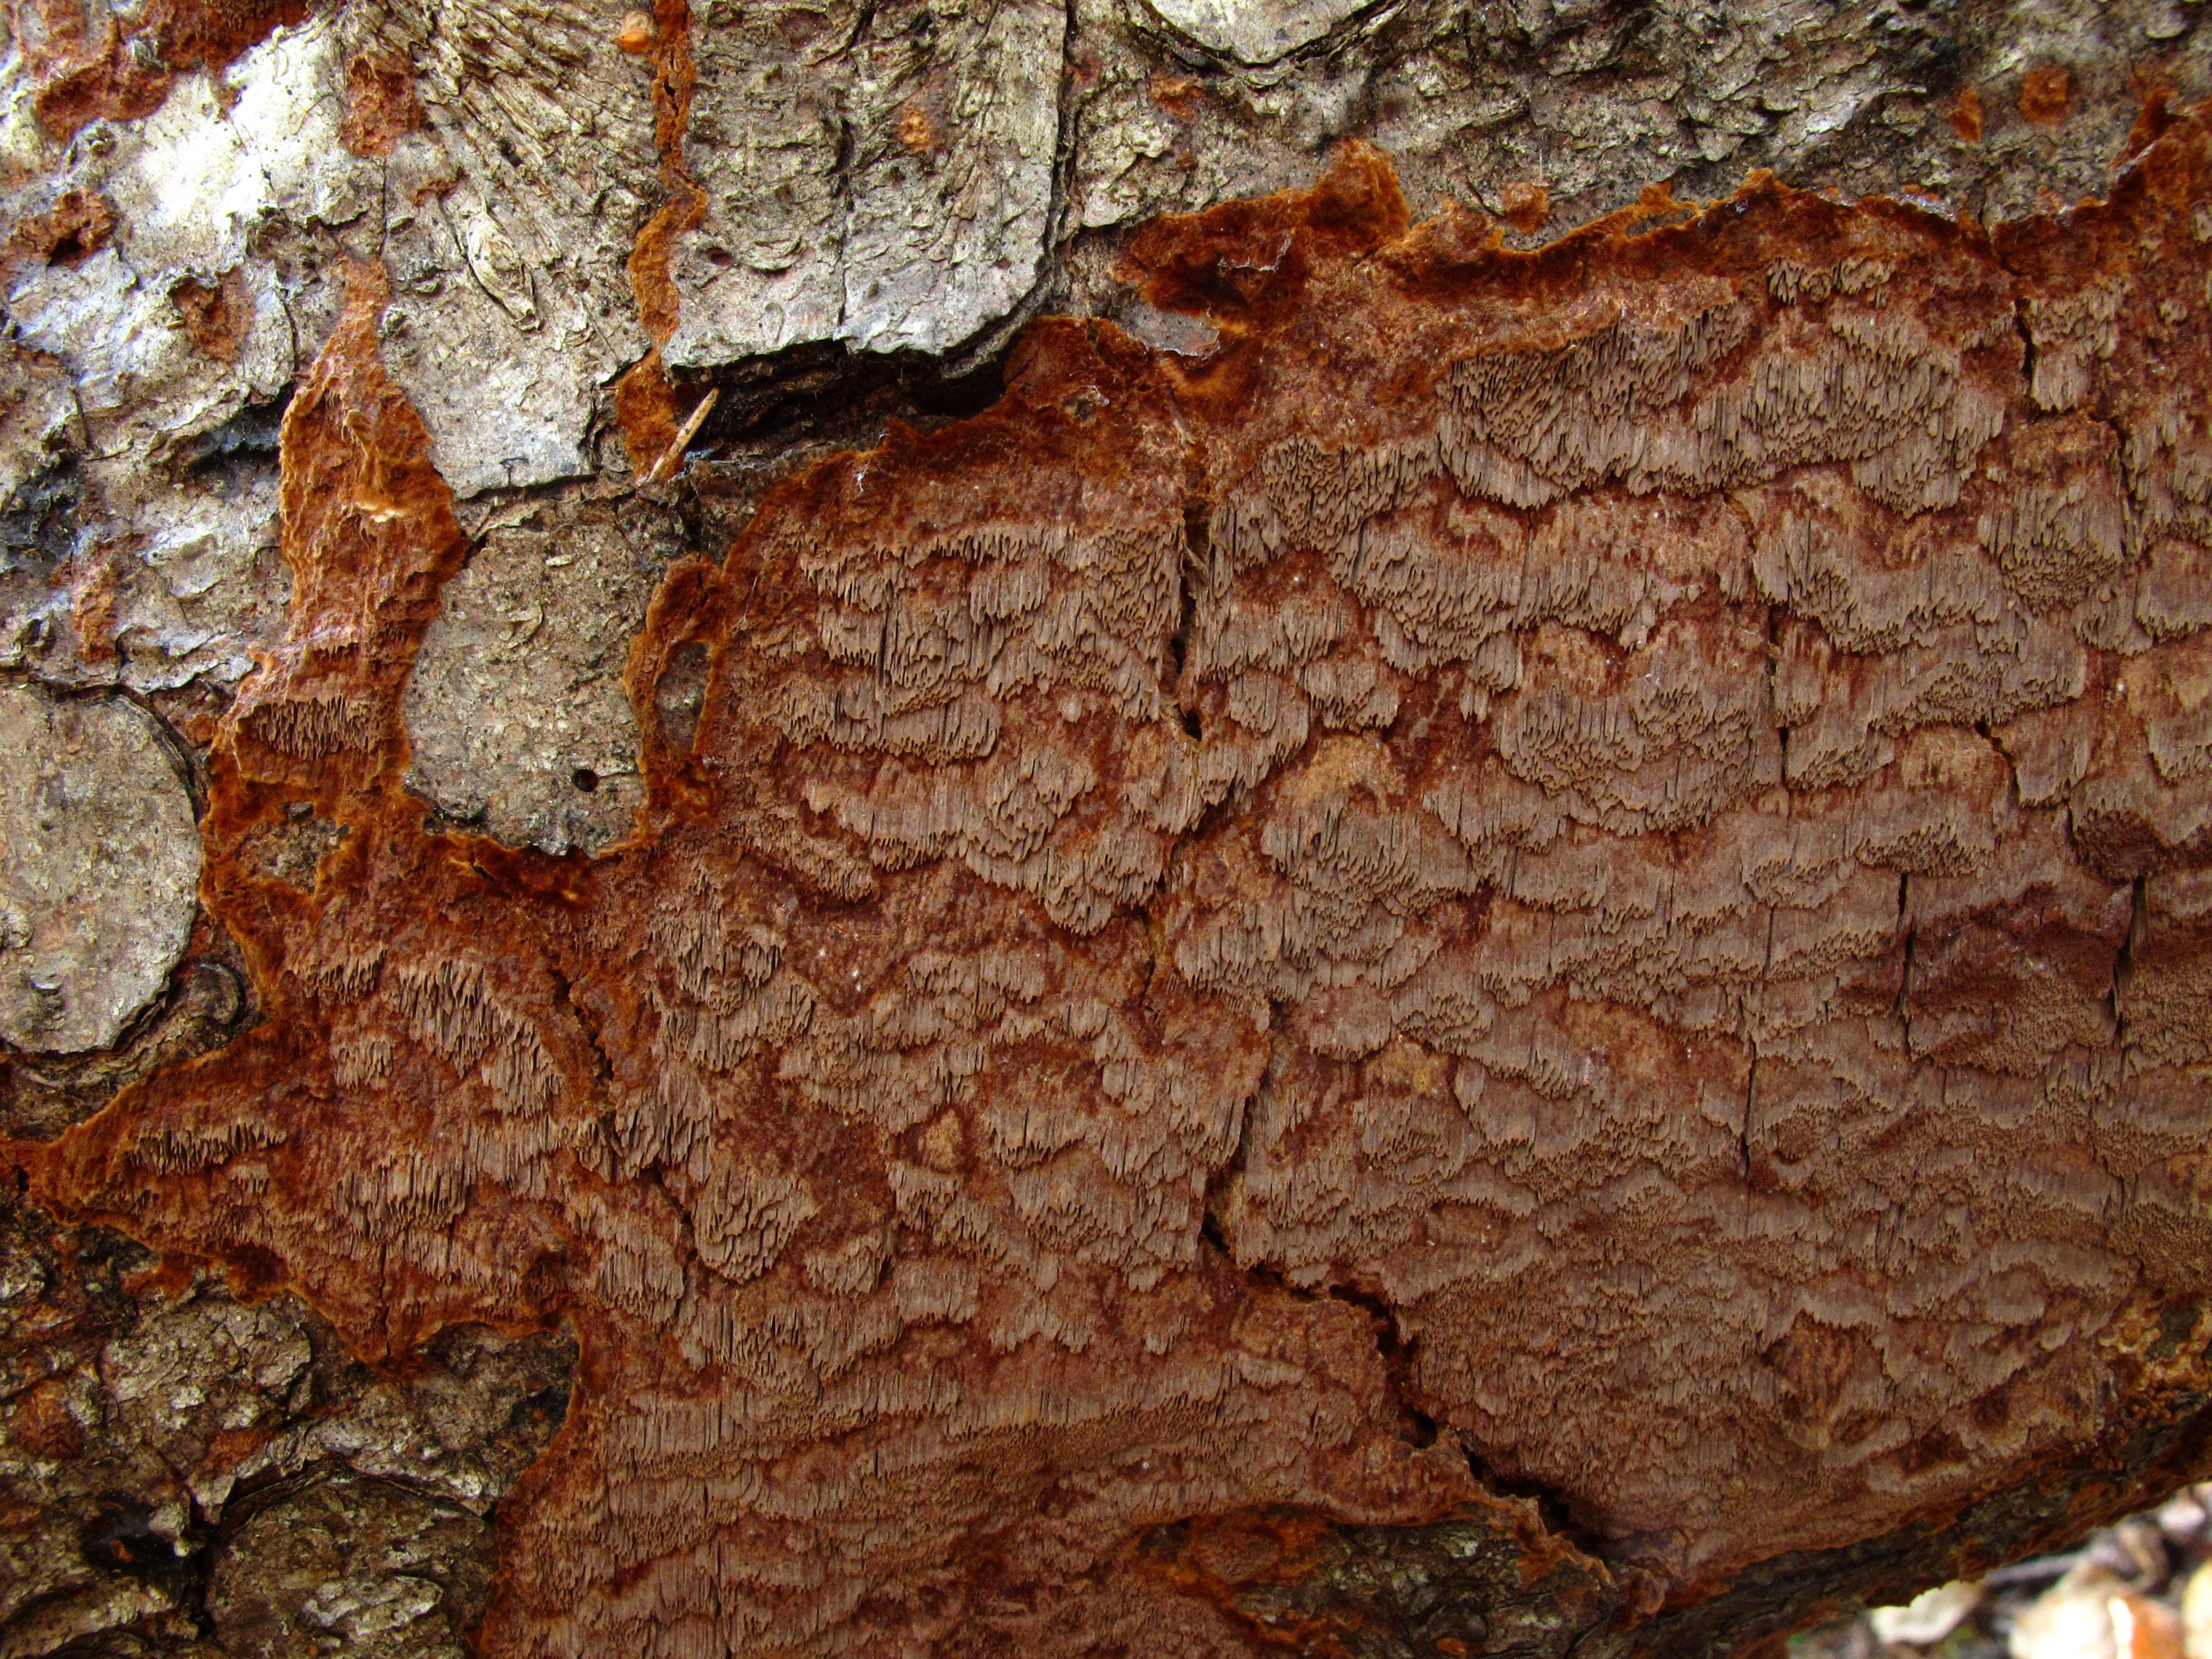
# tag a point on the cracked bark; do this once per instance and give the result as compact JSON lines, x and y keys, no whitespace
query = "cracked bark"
{"x":789,"y":881}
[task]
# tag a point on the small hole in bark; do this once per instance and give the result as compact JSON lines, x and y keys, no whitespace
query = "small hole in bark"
{"x":1191,"y":724}
{"x":585,"y":779}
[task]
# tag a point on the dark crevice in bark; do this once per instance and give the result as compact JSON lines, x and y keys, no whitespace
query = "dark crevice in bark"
{"x":1197,"y":533}
{"x":1551,"y":1504}
{"x":1217,"y":1185}
{"x":1209,"y":1229}
{"x":1049,"y":289}
{"x":39,"y":519}
{"x":248,"y":439}
{"x":1773,"y":656}
{"x":841,"y":176}
{"x":776,"y":415}
{"x":1902,"y":1009}
{"x":121,"y":1538}
{"x":1179,"y":650}
{"x":1750,"y":1106}
{"x":2026,"y":348}
{"x":1394,"y":1347}
{"x":1751,"y":1078}
{"x":2123,"y":960}
{"x":827,"y":389}
{"x":1398,"y":1354}
{"x":564,"y":991}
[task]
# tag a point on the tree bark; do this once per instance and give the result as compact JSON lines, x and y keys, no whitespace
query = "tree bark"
{"x":1172,"y":829}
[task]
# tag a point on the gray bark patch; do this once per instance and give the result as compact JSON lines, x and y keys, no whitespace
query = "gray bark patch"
{"x":887,"y":183}
{"x":100,"y":865}
{"x":516,"y":709}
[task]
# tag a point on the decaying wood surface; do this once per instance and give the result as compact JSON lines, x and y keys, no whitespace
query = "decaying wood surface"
{"x":1449,"y":943}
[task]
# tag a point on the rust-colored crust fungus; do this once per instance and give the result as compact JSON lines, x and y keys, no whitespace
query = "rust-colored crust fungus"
{"x":76,"y":227}
{"x":675,"y":77}
{"x":1582,"y":870}
{"x":645,"y":411}
{"x":382,"y":106}
{"x":93,"y":64}
{"x":2046,"y":95}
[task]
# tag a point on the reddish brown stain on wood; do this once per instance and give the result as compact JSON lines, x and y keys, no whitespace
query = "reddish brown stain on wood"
{"x":674,"y":79}
{"x":121,"y":71}
{"x":2046,"y":95}
{"x":1966,"y":115}
{"x":78,"y":225}
{"x":645,"y":409}
{"x":1639,"y":805}
{"x":1178,"y":94}
{"x":1527,"y":206}
{"x":217,"y":314}
{"x":382,"y":107}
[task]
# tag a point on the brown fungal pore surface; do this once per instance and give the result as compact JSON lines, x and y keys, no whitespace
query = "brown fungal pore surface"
{"x":1518,"y":956}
